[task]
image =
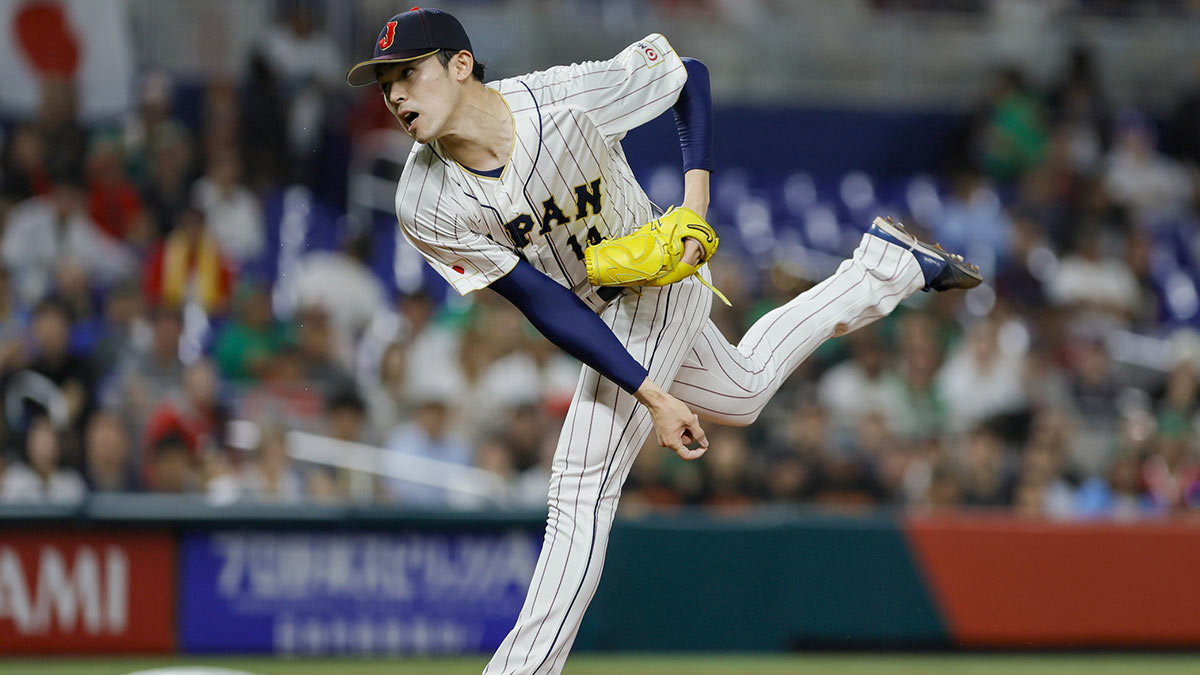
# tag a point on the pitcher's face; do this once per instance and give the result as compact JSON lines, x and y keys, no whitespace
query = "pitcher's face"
{"x":422,"y":95}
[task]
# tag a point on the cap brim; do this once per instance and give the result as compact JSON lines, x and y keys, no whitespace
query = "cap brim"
{"x":363,"y":73}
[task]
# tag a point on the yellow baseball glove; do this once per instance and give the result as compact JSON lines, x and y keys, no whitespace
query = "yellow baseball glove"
{"x":652,"y":256}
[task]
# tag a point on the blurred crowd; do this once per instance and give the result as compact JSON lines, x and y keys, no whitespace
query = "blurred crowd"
{"x":149,"y":341}
{"x":1109,"y":7}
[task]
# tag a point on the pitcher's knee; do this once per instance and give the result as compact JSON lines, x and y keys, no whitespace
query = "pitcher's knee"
{"x":734,"y":419}
{"x":570,"y":513}
{"x":751,"y":418}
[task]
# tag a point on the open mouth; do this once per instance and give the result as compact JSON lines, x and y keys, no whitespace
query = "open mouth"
{"x":409,"y":118}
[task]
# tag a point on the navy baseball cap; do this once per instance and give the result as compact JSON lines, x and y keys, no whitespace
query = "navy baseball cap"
{"x":409,"y":36}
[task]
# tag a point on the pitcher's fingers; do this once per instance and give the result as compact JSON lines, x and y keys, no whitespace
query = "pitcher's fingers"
{"x":697,"y":432}
{"x":675,"y":444}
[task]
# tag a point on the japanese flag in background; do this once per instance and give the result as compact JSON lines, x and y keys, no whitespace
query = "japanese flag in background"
{"x":88,"y":41}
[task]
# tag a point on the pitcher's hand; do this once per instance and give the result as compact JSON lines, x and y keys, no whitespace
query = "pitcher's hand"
{"x":691,"y":252}
{"x":675,"y":425}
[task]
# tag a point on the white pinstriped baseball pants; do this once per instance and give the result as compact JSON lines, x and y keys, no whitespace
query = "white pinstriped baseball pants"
{"x":668,"y":330}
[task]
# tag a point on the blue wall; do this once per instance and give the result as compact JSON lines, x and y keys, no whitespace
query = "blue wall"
{"x":821,"y":141}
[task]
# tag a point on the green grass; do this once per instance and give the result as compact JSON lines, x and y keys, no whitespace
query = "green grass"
{"x":658,"y":664}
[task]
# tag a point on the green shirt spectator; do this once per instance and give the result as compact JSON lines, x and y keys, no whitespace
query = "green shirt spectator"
{"x":246,"y":344}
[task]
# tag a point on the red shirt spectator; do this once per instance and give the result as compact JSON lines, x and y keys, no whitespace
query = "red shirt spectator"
{"x":196,"y":417}
{"x":116,"y":208}
{"x":114,"y":202}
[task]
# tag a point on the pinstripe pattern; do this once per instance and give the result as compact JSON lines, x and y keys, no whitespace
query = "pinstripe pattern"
{"x":534,"y":171}
{"x":590,"y":77}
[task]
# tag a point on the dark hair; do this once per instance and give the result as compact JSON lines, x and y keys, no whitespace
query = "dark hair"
{"x":446,"y":54}
{"x":1013,"y":77}
{"x":346,"y":399}
{"x":67,"y":172}
{"x":52,"y":304}
{"x":171,"y":443}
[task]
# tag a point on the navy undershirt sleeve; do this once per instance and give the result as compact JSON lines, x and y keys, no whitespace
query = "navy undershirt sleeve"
{"x":693,"y":117}
{"x":567,"y":322}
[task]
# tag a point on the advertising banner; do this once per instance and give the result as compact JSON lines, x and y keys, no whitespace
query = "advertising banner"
{"x":1003,"y":582}
{"x":361,"y":593}
{"x":76,"y":592}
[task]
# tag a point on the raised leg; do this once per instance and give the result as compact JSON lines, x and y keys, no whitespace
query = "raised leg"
{"x":731,"y":385}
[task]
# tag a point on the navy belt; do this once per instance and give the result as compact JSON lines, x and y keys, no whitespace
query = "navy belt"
{"x":607,"y":293}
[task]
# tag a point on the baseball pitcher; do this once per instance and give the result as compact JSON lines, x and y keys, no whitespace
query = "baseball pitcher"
{"x":520,"y":185}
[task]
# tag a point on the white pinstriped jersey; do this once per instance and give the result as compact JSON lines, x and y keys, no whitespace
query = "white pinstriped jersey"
{"x":565,"y":185}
